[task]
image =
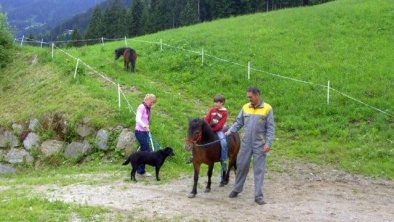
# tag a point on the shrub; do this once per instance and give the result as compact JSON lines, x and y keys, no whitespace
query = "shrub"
{"x":5,"y":42}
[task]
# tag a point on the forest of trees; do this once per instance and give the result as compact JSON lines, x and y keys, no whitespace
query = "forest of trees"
{"x":149,"y":16}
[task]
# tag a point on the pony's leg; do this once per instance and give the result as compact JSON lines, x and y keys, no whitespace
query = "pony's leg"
{"x":210,"y":169}
{"x":234,"y":147}
{"x":196,"y":173}
{"x":231,"y":164}
{"x":132,"y":66}
{"x":223,"y":178}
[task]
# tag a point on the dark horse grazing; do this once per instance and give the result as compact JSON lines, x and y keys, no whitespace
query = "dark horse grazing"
{"x":205,"y":146}
{"x":129,"y":56}
{"x":119,"y":52}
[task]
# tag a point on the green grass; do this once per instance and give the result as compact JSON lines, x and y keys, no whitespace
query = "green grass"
{"x":19,"y":205}
{"x":348,"y":42}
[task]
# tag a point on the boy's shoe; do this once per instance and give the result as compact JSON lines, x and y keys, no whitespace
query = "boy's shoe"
{"x":260,"y":201}
{"x":233,"y":194}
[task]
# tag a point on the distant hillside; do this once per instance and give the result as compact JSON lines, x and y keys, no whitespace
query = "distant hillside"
{"x":293,"y":54}
{"x":81,"y":21}
{"x":37,"y":16}
{"x":146,"y":17}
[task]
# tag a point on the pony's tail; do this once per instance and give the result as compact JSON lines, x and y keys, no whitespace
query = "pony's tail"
{"x":127,"y":161}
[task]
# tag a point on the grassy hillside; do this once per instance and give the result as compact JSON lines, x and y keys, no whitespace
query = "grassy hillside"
{"x":346,"y":42}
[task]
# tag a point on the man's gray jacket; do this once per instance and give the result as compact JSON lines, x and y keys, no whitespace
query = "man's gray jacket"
{"x":258,"y":123}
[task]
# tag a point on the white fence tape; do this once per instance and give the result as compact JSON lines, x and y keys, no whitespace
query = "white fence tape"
{"x":203,"y":55}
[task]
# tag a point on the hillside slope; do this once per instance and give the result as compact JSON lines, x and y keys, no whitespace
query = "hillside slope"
{"x":38,"y":16}
{"x":293,"y":53}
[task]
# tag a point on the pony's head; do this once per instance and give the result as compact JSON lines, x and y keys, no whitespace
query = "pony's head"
{"x":199,"y":131}
{"x":119,"y":52}
{"x":194,"y":132}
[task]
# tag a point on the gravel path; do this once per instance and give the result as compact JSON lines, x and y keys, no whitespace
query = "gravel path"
{"x":299,"y":192}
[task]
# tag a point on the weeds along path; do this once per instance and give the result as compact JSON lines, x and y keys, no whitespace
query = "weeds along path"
{"x":297,"y":192}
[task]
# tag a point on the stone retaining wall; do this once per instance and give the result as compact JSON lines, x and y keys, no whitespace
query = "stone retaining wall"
{"x":20,"y":142}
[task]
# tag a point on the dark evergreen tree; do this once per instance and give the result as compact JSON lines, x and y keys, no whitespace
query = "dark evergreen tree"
{"x":115,"y":20}
{"x":96,"y":27}
{"x":5,"y":42}
{"x":189,"y":14}
{"x":236,"y":7}
{"x":161,"y":15}
{"x":268,"y":5}
{"x":205,"y":10}
{"x":176,"y":8}
{"x":146,"y":24}
{"x":256,"y":6}
{"x":135,"y":18}
{"x":150,"y":17}
{"x":76,"y":40}
{"x":222,"y":8}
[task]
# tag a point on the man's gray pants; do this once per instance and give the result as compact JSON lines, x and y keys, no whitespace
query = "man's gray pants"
{"x":243,"y":164}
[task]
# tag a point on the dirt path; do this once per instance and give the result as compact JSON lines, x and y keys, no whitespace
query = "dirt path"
{"x":300,"y":192}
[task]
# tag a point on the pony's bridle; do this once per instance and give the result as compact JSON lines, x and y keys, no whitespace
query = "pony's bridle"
{"x":193,"y":142}
{"x":195,"y":139}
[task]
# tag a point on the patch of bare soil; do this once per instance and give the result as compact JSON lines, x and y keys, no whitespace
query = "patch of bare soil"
{"x":3,"y":188}
{"x":299,"y":192}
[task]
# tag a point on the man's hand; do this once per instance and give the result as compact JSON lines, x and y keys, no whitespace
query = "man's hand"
{"x":227,"y":133}
{"x":147,"y":128}
{"x":266,"y":148}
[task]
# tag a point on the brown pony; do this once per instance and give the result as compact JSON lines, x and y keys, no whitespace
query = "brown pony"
{"x":129,"y":56}
{"x":205,"y":146}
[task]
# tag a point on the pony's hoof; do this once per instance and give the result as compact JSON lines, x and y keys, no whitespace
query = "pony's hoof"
{"x":207,"y":190}
{"x":222,"y":184}
{"x":191,"y":195}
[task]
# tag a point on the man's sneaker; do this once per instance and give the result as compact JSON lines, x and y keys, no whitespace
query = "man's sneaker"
{"x":144,"y":174}
{"x":233,"y":194}
{"x":147,"y":174}
{"x":260,"y":201}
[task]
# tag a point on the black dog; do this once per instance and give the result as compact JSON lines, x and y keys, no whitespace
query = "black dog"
{"x":155,"y":159}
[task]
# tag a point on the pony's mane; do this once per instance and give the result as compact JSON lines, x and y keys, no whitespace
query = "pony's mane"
{"x":205,"y":126}
{"x":207,"y":133}
{"x":207,"y":130}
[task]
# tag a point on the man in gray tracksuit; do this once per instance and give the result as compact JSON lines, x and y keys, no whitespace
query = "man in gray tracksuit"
{"x":257,"y":118}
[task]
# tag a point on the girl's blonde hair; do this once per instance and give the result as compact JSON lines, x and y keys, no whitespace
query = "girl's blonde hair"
{"x":150,"y":96}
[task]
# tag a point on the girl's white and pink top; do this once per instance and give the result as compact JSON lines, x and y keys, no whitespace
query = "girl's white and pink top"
{"x":142,"y":118}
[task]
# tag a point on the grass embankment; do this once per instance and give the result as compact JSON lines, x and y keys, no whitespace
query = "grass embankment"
{"x":346,"y":42}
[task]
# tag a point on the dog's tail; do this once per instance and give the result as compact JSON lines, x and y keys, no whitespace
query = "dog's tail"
{"x":127,"y":161}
